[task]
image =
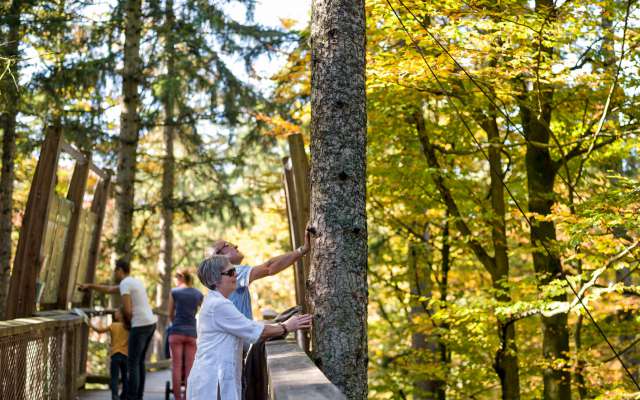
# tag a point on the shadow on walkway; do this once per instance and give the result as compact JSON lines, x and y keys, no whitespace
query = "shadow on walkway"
{"x":154,"y":388}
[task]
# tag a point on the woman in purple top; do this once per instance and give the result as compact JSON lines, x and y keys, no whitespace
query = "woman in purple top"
{"x":183,"y":305}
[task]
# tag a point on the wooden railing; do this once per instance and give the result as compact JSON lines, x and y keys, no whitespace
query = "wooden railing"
{"x":40,"y":357}
{"x":293,"y":376}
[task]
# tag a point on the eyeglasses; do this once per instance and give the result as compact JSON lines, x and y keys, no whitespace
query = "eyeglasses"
{"x":230,"y":272}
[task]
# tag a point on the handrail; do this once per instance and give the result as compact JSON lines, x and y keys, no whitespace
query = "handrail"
{"x":23,"y":325}
{"x":40,"y":357}
{"x":293,"y":376}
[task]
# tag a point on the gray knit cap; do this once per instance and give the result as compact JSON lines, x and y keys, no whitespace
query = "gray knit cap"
{"x":210,"y":270}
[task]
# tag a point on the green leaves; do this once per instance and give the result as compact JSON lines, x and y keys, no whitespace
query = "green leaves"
{"x":502,"y":47}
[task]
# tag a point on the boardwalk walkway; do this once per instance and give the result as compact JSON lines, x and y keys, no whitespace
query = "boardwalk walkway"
{"x":154,"y":388}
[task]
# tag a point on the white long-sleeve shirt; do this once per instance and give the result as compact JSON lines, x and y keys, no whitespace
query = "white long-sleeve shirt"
{"x":221,"y":332}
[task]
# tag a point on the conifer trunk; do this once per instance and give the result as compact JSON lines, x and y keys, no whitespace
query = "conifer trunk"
{"x":338,"y":279}
{"x":10,"y":96}
{"x":129,"y":129}
{"x":165,"y":263}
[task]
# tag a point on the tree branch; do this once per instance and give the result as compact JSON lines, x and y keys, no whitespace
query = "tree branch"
{"x":578,"y":150}
{"x":427,"y":148}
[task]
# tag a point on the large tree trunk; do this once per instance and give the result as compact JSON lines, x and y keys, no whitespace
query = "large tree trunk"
{"x":165,"y":263}
{"x":338,"y":279}
{"x":10,"y":96}
{"x":426,"y":347}
{"x":541,"y":174}
{"x":506,"y":359}
{"x":129,"y":129}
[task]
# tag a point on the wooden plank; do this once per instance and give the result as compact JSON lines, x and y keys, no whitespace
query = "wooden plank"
{"x":293,"y":376}
{"x":294,"y":235}
{"x":79,"y":156}
{"x":300,"y":169}
{"x":79,"y":256}
{"x":82,"y":158}
{"x":47,"y":248}
{"x":71,"y":367}
{"x":98,"y":208}
{"x":294,"y":227}
{"x":19,"y":326}
{"x":28,"y":258}
{"x":87,"y":228}
{"x":68,"y":269}
{"x":52,"y":268}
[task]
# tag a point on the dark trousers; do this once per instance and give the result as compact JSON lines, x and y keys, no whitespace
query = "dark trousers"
{"x":118,"y":371}
{"x":139,"y":339}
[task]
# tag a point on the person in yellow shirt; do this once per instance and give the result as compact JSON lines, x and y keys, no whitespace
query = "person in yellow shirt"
{"x":119,"y":332}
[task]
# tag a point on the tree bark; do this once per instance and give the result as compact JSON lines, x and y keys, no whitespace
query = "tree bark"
{"x":581,"y":364}
{"x":445,"y":266}
{"x":10,"y":97}
{"x":506,"y":359}
{"x":426,"y":347}
{"x":165,"y":263}
{"x":338,"y":279}
{"x":129,"y":129}
{"x":541,"y":174}
{"x":557,"y":379}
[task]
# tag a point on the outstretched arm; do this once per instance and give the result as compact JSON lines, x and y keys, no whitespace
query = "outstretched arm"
{"x":293,"y":324}
{"x":279,"y":263}
{"x":233,"y":322}
{"x":111,"y":289}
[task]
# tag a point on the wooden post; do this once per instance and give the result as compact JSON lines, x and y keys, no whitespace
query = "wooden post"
{"x":297,"y":189}
{"x":294,"y":226}
{"x":98,"y":206}
{"x":75,"y":194}
{"x":300,"y":168}
{"x":27,"y":263}
{"x":294,"y":235}
{"x":70,"y":368}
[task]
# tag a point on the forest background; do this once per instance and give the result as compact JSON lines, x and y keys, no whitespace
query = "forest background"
{"x":502,"y":170}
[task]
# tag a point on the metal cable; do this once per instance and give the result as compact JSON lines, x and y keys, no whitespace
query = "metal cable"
{"x":493,"y":103}
{"x":498,"y":173}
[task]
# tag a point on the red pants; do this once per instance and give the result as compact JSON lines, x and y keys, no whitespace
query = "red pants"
{"x":183,"y":351}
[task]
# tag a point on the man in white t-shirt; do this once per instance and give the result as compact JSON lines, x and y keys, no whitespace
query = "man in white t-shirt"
{"x":143,"y":322}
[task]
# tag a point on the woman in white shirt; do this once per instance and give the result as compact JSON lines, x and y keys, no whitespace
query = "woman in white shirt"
{"x":221,"y":332}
